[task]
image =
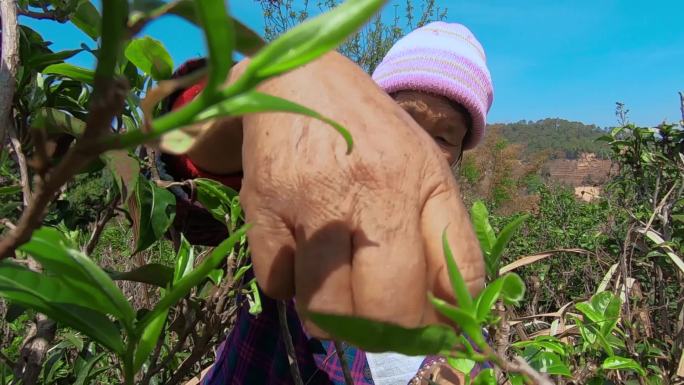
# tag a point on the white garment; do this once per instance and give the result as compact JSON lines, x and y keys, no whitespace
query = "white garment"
{"x":393,"y":368}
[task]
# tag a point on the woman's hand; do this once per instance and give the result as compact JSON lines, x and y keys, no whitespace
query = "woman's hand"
{"x":356,"y":234}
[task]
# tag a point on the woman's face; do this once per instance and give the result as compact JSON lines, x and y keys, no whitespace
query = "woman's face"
{"x":442,"y":119}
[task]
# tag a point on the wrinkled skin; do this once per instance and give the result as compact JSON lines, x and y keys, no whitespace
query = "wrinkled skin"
{"x":356,"y":234}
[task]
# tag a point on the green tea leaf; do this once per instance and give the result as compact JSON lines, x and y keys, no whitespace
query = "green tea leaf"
{"x":10,"y":190}
{"x":71,"y":71}
{"x":185,"y":260}
{"x":483,"y":230}
{"x":219,"y":33}
{"x":485,"y":377}
{"x":113,"y":33}
{"x":487,"y":298}
{"x":247,"y":42}
{"x":462,"y":318}
{"x":151,"y":57}
{"x":502,"y":240}
{"x":152,"y":210}
{"x":215,"y":197}
{"x":550,"y":363}
{"x":197,"y":275}
{"x":55,"y":254}
{"x":252,"y":102}
{"x":151,"y":274}
{"x":41,"y":61}
{"x":463,"y":365}
{"x":513,"y":289}
{"x":87,"y":19}
{"x":543,"y":342}
{"x":622,"y":363}
{"x":465,"y":301}
{"x":254,"y":299}
{"x":311,"y":39}
{"x":47,"y":294}
{"x":84,"y":372}
{"x":54,"y":121}
{"x":125,"y":170}
{"x":148,"y":339}
{"x":374,"y":336}
{"x":216,"y":276}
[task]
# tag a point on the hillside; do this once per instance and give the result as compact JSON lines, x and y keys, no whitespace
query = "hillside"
{"x":562,"y":139}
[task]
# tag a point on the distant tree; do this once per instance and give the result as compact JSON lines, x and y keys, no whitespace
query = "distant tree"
{"x":565,"y":139}
{"x":369,"y":45}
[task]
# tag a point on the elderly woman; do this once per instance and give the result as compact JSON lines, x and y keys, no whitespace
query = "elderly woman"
{"x":356,"y":234}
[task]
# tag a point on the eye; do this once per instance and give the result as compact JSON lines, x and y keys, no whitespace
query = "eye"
{"x":443,"y":142}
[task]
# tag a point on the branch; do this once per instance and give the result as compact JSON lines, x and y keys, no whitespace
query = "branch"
{"x":289,"y":347}
{"x":9,"y":64}
{"x":21,"y":161}
{"x":47,"y":15}
{"x":339,"y":349}
{"x":99,"y":226}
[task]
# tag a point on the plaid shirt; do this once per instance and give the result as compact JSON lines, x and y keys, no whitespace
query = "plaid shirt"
{"x":254,"y":353}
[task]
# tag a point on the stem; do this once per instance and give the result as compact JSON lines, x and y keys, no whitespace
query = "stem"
{"x":289,"y":347}
{"x":339,"y":349}
{"x":129,"y":375}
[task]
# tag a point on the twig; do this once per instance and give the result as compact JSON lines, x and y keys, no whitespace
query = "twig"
{"x":289,"y":347}
{"x":7,"y":223}
{"x":47,"y":15}
{"x":21,"y":161}
{"x":339,"y":349}
{"x":99,"y":226}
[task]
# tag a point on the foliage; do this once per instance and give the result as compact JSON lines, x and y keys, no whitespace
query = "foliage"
{"x":128,"y":309}
{"x":560,"y":138}
{"x":135,"y":302}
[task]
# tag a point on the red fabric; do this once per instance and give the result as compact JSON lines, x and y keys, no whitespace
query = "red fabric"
{"x":182,"y":166}
{"x":188,"y":94}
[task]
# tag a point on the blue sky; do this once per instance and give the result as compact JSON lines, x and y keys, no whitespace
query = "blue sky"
{"x":566,"y":59}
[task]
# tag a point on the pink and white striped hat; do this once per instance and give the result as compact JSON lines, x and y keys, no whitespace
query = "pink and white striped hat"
{"x":444,"y":59}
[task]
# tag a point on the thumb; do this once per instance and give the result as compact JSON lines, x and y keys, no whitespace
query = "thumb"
{"x":272,"y":248}
{"x":445,"y":211}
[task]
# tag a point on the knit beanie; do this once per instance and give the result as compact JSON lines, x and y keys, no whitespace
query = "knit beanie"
{"x":443,"y":59}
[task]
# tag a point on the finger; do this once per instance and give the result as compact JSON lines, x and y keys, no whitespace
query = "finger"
{"x":322,"y":272}
{"x":388,"y":273}
{"x":444,"y":210}
{"x":272,"y":249}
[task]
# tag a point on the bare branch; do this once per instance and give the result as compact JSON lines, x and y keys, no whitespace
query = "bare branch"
{"x":339,"y":349}
{"x":23,"y":165}
{"x":99,"y":226}
{"x":47,"y":15}
{"x":289,"y":347}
